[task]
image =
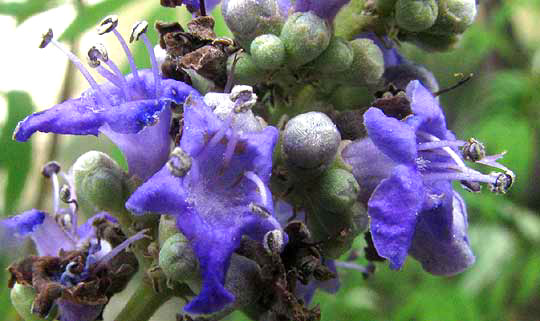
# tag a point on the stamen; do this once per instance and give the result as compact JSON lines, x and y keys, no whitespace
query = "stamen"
{"x":260,"y":185}
{"x":440,"y":144}
{"x":503,"y":182}
{"x":259,"y":210}
{"x":218,"y":136}
{"x":139,"y":31}
{"x":473,"y":150}
{"x":365,"y":270}
{"x":50,"y":170}
{"x":97,"y":53}
{"x":243,"y":97}
{"x":179,"y":163}
{"x":47,"y":38}
{"x":231,"y":146}
{"x":73,"y":205}
{"x":101,"y":262}
{"x":447,"y":149}
{"x":109,"y":24}
{"x":462,"y":176}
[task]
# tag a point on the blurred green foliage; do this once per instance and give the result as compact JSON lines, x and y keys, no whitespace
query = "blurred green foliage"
{"x":499,"y":106}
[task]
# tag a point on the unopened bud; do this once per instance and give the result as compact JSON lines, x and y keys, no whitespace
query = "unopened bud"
{"x":22,"y":298}
{"x":337,"y":190}
{"x":336,"y":58}
{"x":177,"y":259}
{"x":310,"y":141}
{"x":246,"y":71}
{"x":248,"y":19}
{"x":368,"y":64}
{"x":167,"y":228}
{"x":268,"y":52}
{"x":416,"y":15}
{"x":100,"y":184}
{"x":305,"y":36}
{"x":455,"y":16}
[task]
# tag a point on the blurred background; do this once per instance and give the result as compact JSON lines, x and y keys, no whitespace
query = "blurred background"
{"x":500,"y":106}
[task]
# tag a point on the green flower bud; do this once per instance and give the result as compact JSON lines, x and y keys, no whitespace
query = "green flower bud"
{"x":268,"y":52}
{"x":337,"y":57}
{"x":337,"y":190}
{"x":100,"y":183}
{"x":337,"y":230}
{"x":416,"y":15}
{"x":432,"y":42}
{"x":305,"y":36}
{"x":310,"y":141}
{"x":455,"y":16}
{"x":167,"y":228}
{"x":177,"y":259}
{"x":350,"y":97}
{"x":248,"y":19}
{"x":368,"y":64}
{"x":385,"y":7}
{"x":22,"y":298}
{"x":246,"y":71}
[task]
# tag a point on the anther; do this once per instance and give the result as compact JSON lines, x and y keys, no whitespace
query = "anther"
{"x":243,"y":97}
{"x":273,"y":241}
{"x":65,"y":193}
{"x":503,"y":182}
{"x":259,"y":210}
{"x":138,"y":30}
{"x":108,"y":24}
{"x":46,"y":38}
{"x":473,"y":150}
{"x":50,"y":168}
{"x":98,"y":52}
{"x":179,"y":163}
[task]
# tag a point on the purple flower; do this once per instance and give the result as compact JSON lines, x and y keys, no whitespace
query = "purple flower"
{"x":405,"y":169}
{"x":72,"y":255}
{"x":216,"y":185}
{"x":51,"y":239}
{"x":133,"y":110}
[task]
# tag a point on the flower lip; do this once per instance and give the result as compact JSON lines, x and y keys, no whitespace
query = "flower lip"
{"x":424,"y":160}
{"x":222,"y":197}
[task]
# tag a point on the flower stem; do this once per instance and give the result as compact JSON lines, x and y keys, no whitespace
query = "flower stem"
{"x":144,"y":303}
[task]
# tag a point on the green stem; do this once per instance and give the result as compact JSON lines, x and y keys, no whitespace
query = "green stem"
{"x":144,"y":303}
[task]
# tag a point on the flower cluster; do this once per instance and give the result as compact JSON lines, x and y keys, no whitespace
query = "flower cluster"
{"x":249,"y":181}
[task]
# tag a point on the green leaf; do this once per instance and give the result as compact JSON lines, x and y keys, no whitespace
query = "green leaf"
{"x":15,"y":157}
{"x":88,"y":17}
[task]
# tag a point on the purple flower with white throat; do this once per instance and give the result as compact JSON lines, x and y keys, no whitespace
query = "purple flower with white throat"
{"x":132,"y":110}
{"x":68,"y":271}
{"x":405,"y":169}
{"x":216,"y":185}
